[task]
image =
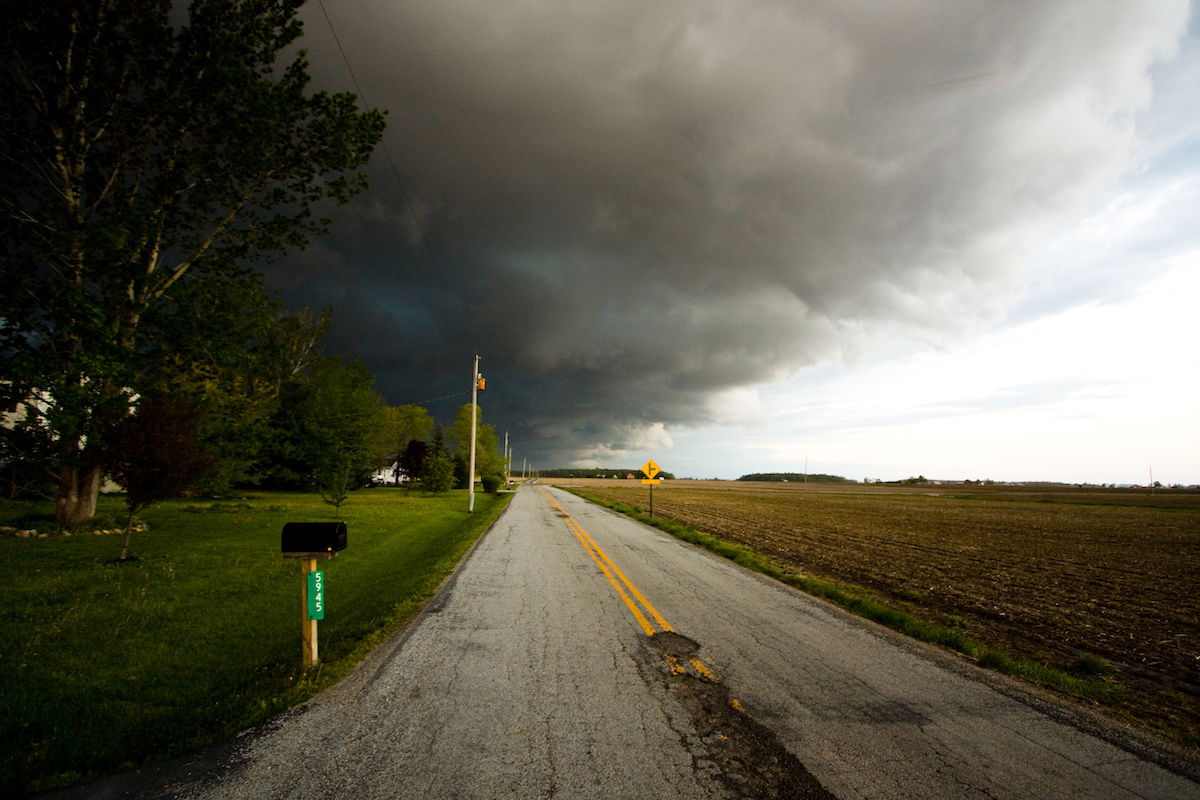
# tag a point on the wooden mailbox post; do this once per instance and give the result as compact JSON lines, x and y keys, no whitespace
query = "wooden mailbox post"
{"x":308,"y":542}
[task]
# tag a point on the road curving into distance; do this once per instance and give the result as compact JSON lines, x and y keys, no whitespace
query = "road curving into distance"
{"x":577,"y":653}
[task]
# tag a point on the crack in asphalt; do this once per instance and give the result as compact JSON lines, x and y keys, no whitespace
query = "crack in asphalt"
{"x":729,"y":744}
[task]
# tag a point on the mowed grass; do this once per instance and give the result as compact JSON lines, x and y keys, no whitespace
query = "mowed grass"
{"x":108,"y":666}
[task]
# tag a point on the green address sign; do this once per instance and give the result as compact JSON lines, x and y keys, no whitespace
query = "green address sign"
{"x":316,"y":595}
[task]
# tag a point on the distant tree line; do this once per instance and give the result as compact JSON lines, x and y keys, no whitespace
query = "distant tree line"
{"x":785,"y":477}
{"x":599,"y":472}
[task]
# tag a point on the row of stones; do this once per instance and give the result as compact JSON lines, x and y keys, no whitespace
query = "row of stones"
{"x":33,"y":534}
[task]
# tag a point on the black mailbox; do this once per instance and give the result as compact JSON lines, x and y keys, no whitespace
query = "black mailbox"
{"x":314,"y":537}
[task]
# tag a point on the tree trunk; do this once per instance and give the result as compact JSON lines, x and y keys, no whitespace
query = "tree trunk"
{"x":78,"y":490}
{"x":124,"y":556}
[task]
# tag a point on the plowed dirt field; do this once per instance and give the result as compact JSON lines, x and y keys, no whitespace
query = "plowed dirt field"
{"x":1044,"y":574}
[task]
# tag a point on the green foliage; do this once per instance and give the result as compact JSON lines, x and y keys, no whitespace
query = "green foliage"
{"x":77,"y":706}
{"x":334,"y":476}
{"x":492,"y":483}
{"x":488,"y":458}
{"x":324,"y":428}
{"x":140,"y":149}
{"x":293,"y":344}
{"x":1091,"y":664}
{"x":155,"y":455}
{"x":226,"y":345}
{"x":401,"y":426}
{"x":1087,"y":688}
{"x":412,"y":459}
{"x":461,"y":468}
{"x":439,"y":472}
{"x":27,"y":452}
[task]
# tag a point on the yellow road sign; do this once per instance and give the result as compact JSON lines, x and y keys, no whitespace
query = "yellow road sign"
{"x":651,"y":481}
{"x":650,"y":468}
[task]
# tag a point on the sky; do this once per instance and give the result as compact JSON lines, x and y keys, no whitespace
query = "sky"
{"x":946,"y":238}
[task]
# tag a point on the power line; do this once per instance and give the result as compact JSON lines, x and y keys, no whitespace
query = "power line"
{"x":412,"y":209}
{"x":436,"y":399}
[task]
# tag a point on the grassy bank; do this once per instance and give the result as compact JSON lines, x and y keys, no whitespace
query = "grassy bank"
{"x":859,"y":600}
{"x":108,"y":666}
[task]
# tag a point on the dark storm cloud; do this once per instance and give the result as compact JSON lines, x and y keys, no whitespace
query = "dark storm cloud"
{"x":631,"y":208}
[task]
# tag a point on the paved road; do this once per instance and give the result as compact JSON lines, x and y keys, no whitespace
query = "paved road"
{"x":578,"y":654}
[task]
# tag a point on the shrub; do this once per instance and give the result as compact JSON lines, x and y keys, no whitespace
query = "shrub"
{"x":1091,"y":664}
{"x":439,"y":473}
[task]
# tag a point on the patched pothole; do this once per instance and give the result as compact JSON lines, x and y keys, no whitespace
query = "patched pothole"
{"x":674,"y":644}
{"x":732,"y":746}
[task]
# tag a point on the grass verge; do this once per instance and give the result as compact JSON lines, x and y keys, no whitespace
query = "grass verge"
{"x":110,"y":666}
{"x":858,"y":601}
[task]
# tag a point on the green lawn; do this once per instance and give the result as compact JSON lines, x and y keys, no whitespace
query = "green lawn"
{"x":108,"y":666}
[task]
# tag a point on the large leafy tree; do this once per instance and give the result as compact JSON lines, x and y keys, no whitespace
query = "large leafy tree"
{"x":294,"y":344}
{"x":412,"y":460}
{"x":134,"y":154}
{"x":437,"y":474}
{"x":488,"y":459}
{"x":231,"y":362}
{"x":402,"y":425}
{"x":326,"y":426}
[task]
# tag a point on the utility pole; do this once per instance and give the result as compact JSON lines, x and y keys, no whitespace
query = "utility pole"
{"x":471,"y":467}
{"x":506,"y":457}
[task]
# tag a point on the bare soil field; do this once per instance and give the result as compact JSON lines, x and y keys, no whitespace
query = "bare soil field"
{"x":1040,"y":573}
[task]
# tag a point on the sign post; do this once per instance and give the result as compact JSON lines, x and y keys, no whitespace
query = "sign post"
{"x":650,"y":469}
{"x":311,"y":600}
{"x":306,"y":542}
{"x":478,"y":384}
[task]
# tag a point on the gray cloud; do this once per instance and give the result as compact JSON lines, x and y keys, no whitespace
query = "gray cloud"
{"x":632,"y":208}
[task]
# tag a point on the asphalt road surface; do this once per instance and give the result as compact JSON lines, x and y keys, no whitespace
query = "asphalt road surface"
{"x":580,"y":654}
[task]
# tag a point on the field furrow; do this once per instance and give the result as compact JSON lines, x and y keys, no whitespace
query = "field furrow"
{"x":1044,"y":575}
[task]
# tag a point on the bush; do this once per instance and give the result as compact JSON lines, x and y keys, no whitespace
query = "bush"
{"x":492,"y":483}
{"x":1091,"y":664}
{"x":439,"y":473}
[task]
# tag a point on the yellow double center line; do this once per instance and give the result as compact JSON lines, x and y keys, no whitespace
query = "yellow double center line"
{"x":641,"y":608}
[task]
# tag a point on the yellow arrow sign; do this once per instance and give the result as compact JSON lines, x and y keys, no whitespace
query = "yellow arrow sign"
{"x":650,"y":468}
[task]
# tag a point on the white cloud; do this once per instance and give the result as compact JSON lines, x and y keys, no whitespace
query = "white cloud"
{"x":741,"y":406}
{"x":637,"y":439}
{"x":1092,"y":374}
{"x":1095,"y":393}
